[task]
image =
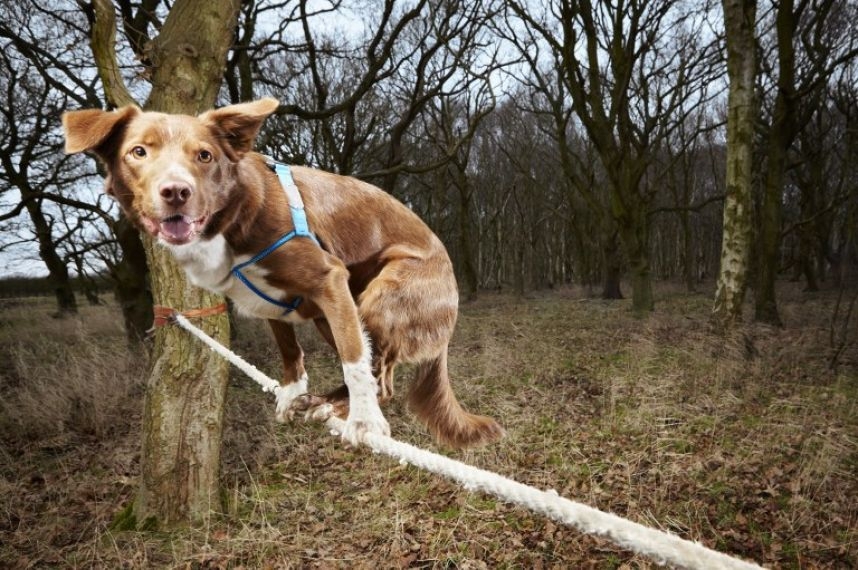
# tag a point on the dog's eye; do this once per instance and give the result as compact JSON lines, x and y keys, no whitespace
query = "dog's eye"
{"x":205,"y":156}
{"x":139,"y":152}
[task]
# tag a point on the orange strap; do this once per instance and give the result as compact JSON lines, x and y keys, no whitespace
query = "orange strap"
{"x":166,"y":315}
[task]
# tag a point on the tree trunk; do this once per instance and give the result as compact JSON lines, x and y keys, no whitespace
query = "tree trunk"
{"x":634,"y":234}
{"x":629,"y":211}
{"x":740,"y":16}
{"x":765,"y":302}
{"x":185,"y":394}
{"x":467,"y":242}
{"x":58,"y":273}
{"x":132,"y":285}
{"x":688,"y":258}
{"x":613,"y":268}
{"x":781,"y":136}
{"x":183,"y":411}
{"x":808,"y":267}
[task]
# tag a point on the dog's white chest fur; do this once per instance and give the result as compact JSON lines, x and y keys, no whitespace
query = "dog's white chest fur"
{"x":209,"y":263}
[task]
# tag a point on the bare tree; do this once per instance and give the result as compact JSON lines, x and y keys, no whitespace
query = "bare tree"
{"x":739,"y":19}
{"x":354,"y":105}
{"x":35,"y":178}
{"x":52,"y":45}
{"x":185,"y":394}
{"x":633,"y":71}
{"x":444,"y":121}
{"x":812,"y":40}
{"x":32,"y":168}
{"x":689,"y":176}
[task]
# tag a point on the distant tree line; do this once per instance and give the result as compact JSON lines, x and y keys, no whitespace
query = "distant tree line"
{"x":91,"y":286}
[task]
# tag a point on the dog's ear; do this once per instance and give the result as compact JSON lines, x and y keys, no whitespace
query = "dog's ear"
{"x":89,"y":130}
{"x":239,"y":124}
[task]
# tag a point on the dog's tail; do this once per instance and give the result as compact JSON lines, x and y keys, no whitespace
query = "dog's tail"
{"x":431,"y":398}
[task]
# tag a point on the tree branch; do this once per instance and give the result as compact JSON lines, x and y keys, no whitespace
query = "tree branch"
{"x":103,"y":43}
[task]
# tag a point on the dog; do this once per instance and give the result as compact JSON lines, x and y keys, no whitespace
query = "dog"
{"x":375,"y":280}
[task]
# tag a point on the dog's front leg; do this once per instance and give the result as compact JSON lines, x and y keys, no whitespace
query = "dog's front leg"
{"x":294,"y":375}
{"x":355,"y":353}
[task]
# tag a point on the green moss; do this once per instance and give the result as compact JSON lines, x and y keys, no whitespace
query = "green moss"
{"x":448,"y":513}
{"x":124,"y":520}
{"x":149,"y":523}
{"x":681,"y":446}
{"x":483,"y":502}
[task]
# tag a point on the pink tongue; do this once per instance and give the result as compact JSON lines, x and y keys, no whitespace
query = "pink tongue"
{"x":177,"y":228}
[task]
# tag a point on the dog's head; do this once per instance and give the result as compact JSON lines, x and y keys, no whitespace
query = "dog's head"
{"x":169,"y":173}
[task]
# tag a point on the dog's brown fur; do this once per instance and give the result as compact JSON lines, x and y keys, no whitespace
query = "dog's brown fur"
{"x":379,"y":266}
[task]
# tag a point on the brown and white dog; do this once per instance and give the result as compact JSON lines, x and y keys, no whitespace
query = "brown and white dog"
{"x":377,"y":275}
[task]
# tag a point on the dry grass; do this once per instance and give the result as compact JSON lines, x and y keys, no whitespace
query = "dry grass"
{"x":749,"y":445}
{"x":60,"y":378}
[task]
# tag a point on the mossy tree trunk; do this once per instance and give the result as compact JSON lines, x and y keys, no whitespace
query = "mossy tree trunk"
{"x":739,"y":16}
{"x":781,"y":135}
{"x":183,"y":415}
{"x":613,"y":267}
{"x":634,"y":233}
{"x":183,"y":411}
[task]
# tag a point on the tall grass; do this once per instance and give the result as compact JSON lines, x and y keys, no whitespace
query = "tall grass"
{"x":63,"y":376}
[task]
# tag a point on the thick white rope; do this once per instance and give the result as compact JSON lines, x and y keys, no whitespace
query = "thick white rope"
{"x":663,"y":547}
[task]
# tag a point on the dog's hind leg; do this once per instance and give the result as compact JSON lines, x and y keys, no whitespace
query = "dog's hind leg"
{"x":384,"y":365}
{"x":294,"y":375}
{"x":410,"y":309}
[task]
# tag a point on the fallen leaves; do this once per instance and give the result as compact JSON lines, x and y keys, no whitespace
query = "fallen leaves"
{"x":644,"y":419}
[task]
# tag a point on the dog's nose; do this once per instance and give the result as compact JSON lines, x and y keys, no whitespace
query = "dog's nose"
{"x":175,"y":194}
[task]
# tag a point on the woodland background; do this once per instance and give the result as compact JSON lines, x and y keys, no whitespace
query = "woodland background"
{"x":535,"y":167}
{"x":569,"y":154}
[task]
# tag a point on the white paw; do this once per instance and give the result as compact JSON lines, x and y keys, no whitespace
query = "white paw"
{"x":286,"y":396}
{"x":364,"y":413}
{"x":319,"y":413}
{"x":361,"y":421}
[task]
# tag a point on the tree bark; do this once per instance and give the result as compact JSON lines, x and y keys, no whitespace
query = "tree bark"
{"x":689,"y":268}
{"x":185,"y":393}
{"x":467,"y":240}
{"x":739,"y":16}
{"x":781,"y":136}
{"x":58,"y":273}
{"x":132,"y":285}
{"x":633,"y":231}
{"x":612,"y":268}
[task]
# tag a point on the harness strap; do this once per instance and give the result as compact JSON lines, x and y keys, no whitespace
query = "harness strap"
{"x":302,"y":229}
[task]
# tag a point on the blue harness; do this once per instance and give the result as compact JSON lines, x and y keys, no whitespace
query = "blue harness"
{"x":302,"y":229}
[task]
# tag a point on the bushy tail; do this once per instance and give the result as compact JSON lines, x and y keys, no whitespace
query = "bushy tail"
{"x":431,"y":398}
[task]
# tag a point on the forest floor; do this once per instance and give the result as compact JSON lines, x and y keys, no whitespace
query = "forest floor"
{"x":748,"y":445}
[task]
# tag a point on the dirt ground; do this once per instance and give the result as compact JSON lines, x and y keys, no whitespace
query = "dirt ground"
{"x":747,"y":444}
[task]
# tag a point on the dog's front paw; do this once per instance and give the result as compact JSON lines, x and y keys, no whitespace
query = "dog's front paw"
{"x":359,"y":423}
{"x":287,"y":396}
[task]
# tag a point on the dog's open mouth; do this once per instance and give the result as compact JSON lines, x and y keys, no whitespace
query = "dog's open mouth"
{"x":179,"y":229}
